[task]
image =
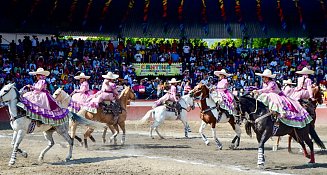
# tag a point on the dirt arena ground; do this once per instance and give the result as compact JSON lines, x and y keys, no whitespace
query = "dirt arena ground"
{"x":172,"y":155}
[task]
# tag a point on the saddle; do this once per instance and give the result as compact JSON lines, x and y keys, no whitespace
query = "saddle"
{"x":173,"y":107}
{"x":113,"y":108}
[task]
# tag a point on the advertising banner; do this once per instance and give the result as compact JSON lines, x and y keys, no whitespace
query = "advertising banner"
{"x":157,"y":69}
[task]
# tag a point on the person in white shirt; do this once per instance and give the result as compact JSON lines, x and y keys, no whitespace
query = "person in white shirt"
{"x":138,"y":57}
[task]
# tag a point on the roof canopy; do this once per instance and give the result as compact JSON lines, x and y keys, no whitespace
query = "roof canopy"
{"x":168,"y":18}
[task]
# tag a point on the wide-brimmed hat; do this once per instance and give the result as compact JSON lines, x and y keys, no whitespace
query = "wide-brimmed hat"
{"x":40,"y":71}
{"x":305,"y":70}
{"x":222,"y":72}
{"x":266,"y":73}
{"x":82,"y":75}
{"x":110,"y":75}
{"x":173,"y":80}
{"x":289,"y":81}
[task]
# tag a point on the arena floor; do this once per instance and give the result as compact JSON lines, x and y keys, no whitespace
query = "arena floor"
{"x":172,"y":155}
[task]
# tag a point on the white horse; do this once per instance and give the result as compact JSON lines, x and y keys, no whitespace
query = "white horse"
{"x":20,"y":124}
{"x":160,"y":113}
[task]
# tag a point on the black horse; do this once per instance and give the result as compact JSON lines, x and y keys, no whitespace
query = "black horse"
{"x":261,"y":120}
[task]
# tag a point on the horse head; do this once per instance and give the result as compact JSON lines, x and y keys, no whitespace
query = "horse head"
{"x":317,"y":95}
{"x":249,"y":105}
{"x":200,"y":90}
{"x":62,"y":97}
{"x":8,"y":93}
{"x":188,"y":99}
{"x":126,"y":95}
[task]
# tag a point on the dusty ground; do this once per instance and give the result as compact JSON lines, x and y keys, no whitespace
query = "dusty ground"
{"x":172,"y":155}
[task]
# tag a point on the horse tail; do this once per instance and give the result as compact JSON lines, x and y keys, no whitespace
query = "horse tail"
{"x":146,"y":116}
{"x":248,"y":126}
{"x":86,"y":122}
{"x":316,"y":138}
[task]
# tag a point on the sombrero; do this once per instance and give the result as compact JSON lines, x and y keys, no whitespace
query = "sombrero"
{"x":305,"y":71}
{"x":289,"y":81}
{"x":222,"y":72}
{"x":266,"y":73}
{"x":40,"y":71}
{"x":173,"y":80}
{"x":82,"y":75}
{"x":110,"y":75}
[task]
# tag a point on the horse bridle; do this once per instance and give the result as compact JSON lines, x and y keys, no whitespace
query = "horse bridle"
{"x":17,"y":97}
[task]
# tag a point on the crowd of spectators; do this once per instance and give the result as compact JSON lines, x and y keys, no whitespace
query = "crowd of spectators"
{"x":65,"y":58}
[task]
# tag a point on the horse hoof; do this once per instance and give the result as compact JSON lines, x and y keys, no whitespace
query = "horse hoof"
{"x":67,"y":159}
{"x":233,"y":147}
{"x":261,"y":166}
{"x":11,"y":163}
{"x":274,"y":148}
{"x":40,"y":160}
{"x":104,"y":141}
{"x":207,"y":142}
{"x":24,"y":154}
{"x":219,"y":147}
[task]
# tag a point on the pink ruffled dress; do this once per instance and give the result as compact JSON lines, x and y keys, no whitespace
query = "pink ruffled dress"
{"x":225,"y":98}
{"x":171,"y":95}
{"x":303,"y":89}
{"x":40,"y":105}
{"x":80,"y":97}
{"x":290,"y":111}
{"x":108,"y":92}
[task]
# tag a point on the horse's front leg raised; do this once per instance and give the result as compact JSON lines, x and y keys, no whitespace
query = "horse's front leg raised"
{"x":114,"y":130}
{"x":237,"y":139}
{"x":19,"y":151}
{"x":204,"y":138}
{"x":19,"y":137}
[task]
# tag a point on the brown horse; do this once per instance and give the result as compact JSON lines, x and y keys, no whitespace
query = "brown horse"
{"x":311,"y":107}
{"x":126,"y":95}
{"x":211,"y":114}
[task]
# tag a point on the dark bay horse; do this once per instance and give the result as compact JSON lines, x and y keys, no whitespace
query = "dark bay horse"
{"x":211,"y":114}
{"x":311,"y":107}
{"x":260,"y":119}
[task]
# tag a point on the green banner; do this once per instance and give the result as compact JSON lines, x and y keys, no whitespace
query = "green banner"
{"x":157,"y":69}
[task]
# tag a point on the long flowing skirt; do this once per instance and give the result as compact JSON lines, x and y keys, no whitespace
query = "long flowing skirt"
{"x":225,"y":100}
{"x":41,"y":106}
{"x":291,"y":112}
{"x":78,"y":100}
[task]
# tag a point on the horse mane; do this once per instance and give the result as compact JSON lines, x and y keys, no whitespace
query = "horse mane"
{"x":249,"y":98}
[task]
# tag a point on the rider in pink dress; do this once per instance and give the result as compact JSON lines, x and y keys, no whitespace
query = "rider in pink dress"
{"x":287,"y":89}
{"x":170,"y":95}
{"x":40,"y":105}
{"x":290,"y":111}
{"x":225,"y":97}
{"x":80,"y":95}
{"x":108,"y":91}
{"x":304,"y":85}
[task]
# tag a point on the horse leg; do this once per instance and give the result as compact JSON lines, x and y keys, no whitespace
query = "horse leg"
{"x":122,"y":127}
{"x":48,"y":136}
{"x":104,"y":135}
{"x":64,"y":133}
{"x":289,"y":144}
{"x":19,"y":137}
{"x":20,"y":151}
{"x":309,"y":142}
{"x":186,"y":127}
{"x":214,"y":135}
{"x":114,"y":130}
{"x":73,"y":127}
{"x":204,"y":138}
{"x":237,"y":139}
{"x":275,"y":148}
{"x":151,"y":130}
{"x":261,"y":149}
{"x":86,"y":135}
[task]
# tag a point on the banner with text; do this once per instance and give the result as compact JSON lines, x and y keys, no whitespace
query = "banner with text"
{"x":158,"y":69}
